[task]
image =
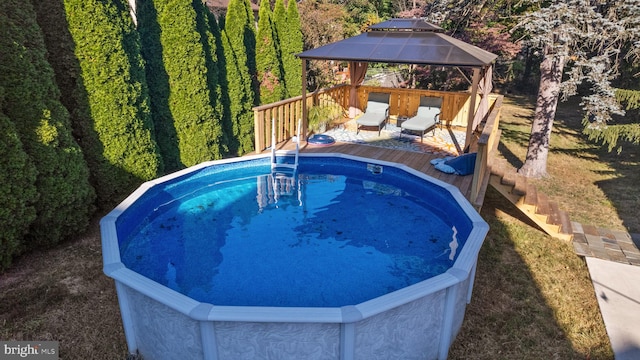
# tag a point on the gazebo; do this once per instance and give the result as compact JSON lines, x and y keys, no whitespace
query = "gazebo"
{"x":407,"y":41}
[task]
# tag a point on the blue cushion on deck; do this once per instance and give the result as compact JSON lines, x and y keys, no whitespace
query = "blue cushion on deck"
{"x":463,"y":164}
{"x":442,"y":166}
{"x":439,"y":160}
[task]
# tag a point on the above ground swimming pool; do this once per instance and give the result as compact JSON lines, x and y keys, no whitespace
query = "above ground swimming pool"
{"x":339,"y":258}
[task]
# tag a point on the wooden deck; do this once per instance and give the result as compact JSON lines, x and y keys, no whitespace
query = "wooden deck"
{"x":415,"y":160}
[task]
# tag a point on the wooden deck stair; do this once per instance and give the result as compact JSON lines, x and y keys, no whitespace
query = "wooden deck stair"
{"x":532,"y":203}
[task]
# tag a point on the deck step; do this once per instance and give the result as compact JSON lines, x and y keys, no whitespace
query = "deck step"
{"x":520,"y":187}
{"x":565,"y":223}
{"x":536,"y":205}
{"x":498,"y":167}
{"x":531,"y":198}
{"x":554,"y":213}
{"x":542,"y":204}
{"x":509,"y":178}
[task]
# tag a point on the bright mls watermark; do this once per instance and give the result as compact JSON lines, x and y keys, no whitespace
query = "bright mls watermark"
{"x":40,"y":350}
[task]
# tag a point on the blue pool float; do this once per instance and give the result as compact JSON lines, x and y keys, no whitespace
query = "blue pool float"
{"x":321,"y":140}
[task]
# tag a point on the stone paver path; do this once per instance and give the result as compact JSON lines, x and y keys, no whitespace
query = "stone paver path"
{"x":605,"y":244}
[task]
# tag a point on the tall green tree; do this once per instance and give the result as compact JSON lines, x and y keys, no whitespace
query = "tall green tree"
{"x":577,"y":43}
{"x":291,"y":45}
{"x":268,"y":63}
{"x":223,"y":81}
{"x":109,"y":98}
{"x":280,"y":36}
{"x":590,"y":53}
{"x":216,"y":78}
{"x":189,"y":129}
{"x":17,"y":190}
{"x":157,"y":77}
{"x":42,"y":123}
{"x":239,"y":44}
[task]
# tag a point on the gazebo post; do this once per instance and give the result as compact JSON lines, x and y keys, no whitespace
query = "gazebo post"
{"x":472,"y":107}
{"x":304,"y":131}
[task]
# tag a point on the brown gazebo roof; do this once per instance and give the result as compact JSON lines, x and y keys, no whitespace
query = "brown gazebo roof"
{"x":404,"y":41}
{"x":406,"y":24}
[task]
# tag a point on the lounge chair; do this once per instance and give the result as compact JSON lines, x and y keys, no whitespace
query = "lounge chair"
{"x":376,"y":113}
{"x":427,"y":117}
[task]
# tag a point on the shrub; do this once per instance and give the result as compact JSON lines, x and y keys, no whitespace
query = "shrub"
{"x":110,"y":103}
{"x":42,"y":124}
{"x":17,"y":191}
{"x":268,"y":63}
{"x":184,"y":116}
{"x":214,"y":60}
{"x":292,"y":44}
{"x":238,"y":39}
{"x":216,"y":57}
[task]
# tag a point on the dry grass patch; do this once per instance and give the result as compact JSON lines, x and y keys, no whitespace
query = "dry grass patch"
{"x":533,"y":298}
{"x":62,"y":295}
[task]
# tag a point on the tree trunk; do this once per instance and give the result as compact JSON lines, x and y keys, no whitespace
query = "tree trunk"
{"x":551,"y":70}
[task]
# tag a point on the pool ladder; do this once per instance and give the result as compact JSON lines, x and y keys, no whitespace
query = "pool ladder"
{"x":283,"y":174}
{"x":284,"y":166}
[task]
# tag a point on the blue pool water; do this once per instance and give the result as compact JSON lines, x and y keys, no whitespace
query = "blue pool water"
{"x":338,"y":233}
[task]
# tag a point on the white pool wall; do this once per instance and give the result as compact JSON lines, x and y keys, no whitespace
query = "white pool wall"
{"x":416,"y":322}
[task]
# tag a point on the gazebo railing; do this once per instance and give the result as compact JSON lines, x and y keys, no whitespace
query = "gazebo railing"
{"x":403,"y":102}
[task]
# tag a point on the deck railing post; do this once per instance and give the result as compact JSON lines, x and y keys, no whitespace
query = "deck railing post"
{"x":287,"y":113}
{"x":487,"y":143}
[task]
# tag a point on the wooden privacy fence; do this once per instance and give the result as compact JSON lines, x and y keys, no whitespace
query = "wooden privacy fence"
{"x":405,"y":102}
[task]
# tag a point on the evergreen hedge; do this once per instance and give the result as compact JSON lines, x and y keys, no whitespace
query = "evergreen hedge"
{"x":42,"y":124}
{"x":268,"y":62}
{"x":217,"y":56}
{"x":110,"y":96}
{"x":17,"y":190}
{"x":238,"y":40}
{"x":184,"y":116}
{"x":158,"y":81}
{"x":292,"y":44}
{"x":210,"y":35}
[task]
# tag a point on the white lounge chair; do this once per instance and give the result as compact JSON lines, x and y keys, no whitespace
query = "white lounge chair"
{"x":376,"y":113}
{"x":427,"y":117}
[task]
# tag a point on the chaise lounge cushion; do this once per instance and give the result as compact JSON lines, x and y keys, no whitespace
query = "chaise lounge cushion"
{"x":425,"y":118}
{"x":374,"y":114}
